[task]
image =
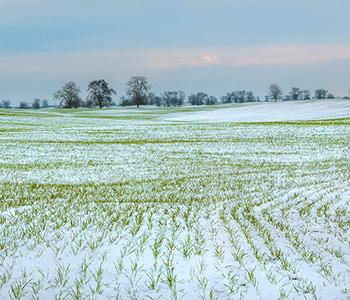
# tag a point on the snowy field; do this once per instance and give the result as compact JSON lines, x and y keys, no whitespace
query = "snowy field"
{"x":270,"y":111}
{"x":128,"y":204}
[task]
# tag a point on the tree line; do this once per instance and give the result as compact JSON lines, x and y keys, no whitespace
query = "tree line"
{"x":276,"y":94}
{"x":138,"y":92}
{"x":36,"y":104}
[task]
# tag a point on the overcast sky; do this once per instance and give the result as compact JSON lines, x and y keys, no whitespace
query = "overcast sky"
{"x":209,"y":45}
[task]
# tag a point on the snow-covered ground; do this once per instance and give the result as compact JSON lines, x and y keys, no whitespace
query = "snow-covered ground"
{"x":112,"y":205}
{"x":271,"y":111}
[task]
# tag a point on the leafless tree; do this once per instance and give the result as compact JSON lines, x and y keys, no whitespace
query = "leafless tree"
{"x":321,"y":94}
{"x":137,"y":88}
{"x":100,"y":93}
{"x":275,"y":92}
{"x":68,"y":95}
{"x":296,"y":93}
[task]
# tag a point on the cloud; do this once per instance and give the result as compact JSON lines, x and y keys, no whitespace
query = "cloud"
{"x":131,"y":61}
{"x":248,"y":56}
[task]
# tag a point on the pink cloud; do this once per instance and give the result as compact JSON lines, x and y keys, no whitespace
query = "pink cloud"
{"x":132,"y":61}
{"x":247,"y":56}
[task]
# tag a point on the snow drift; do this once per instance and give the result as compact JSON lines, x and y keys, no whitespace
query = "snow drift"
{"x":271,"y":111}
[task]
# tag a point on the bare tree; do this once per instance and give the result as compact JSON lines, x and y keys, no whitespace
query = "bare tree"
{"x":23,"y":105}
{"x":275,"y":92}
{"x":198,"y":99}
{"x":173,"y":98}
{"x":241,"y":96}
{"x":250,"y":97}
{"x":296,"y":93}
{"x":100,"y":93}
{"x":137,"y":88}
{"x":68,"y":95}
{"x":229,"y":97}
{"x":124,"y":101}
{"x":6,"y":104}
{"x":44,"y":103}
{"x":36,"y":104}
{"x":321,"y":94}
{"x":211,"y":100}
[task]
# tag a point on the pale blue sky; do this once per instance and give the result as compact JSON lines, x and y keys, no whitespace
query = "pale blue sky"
{"x":209,"y":45}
